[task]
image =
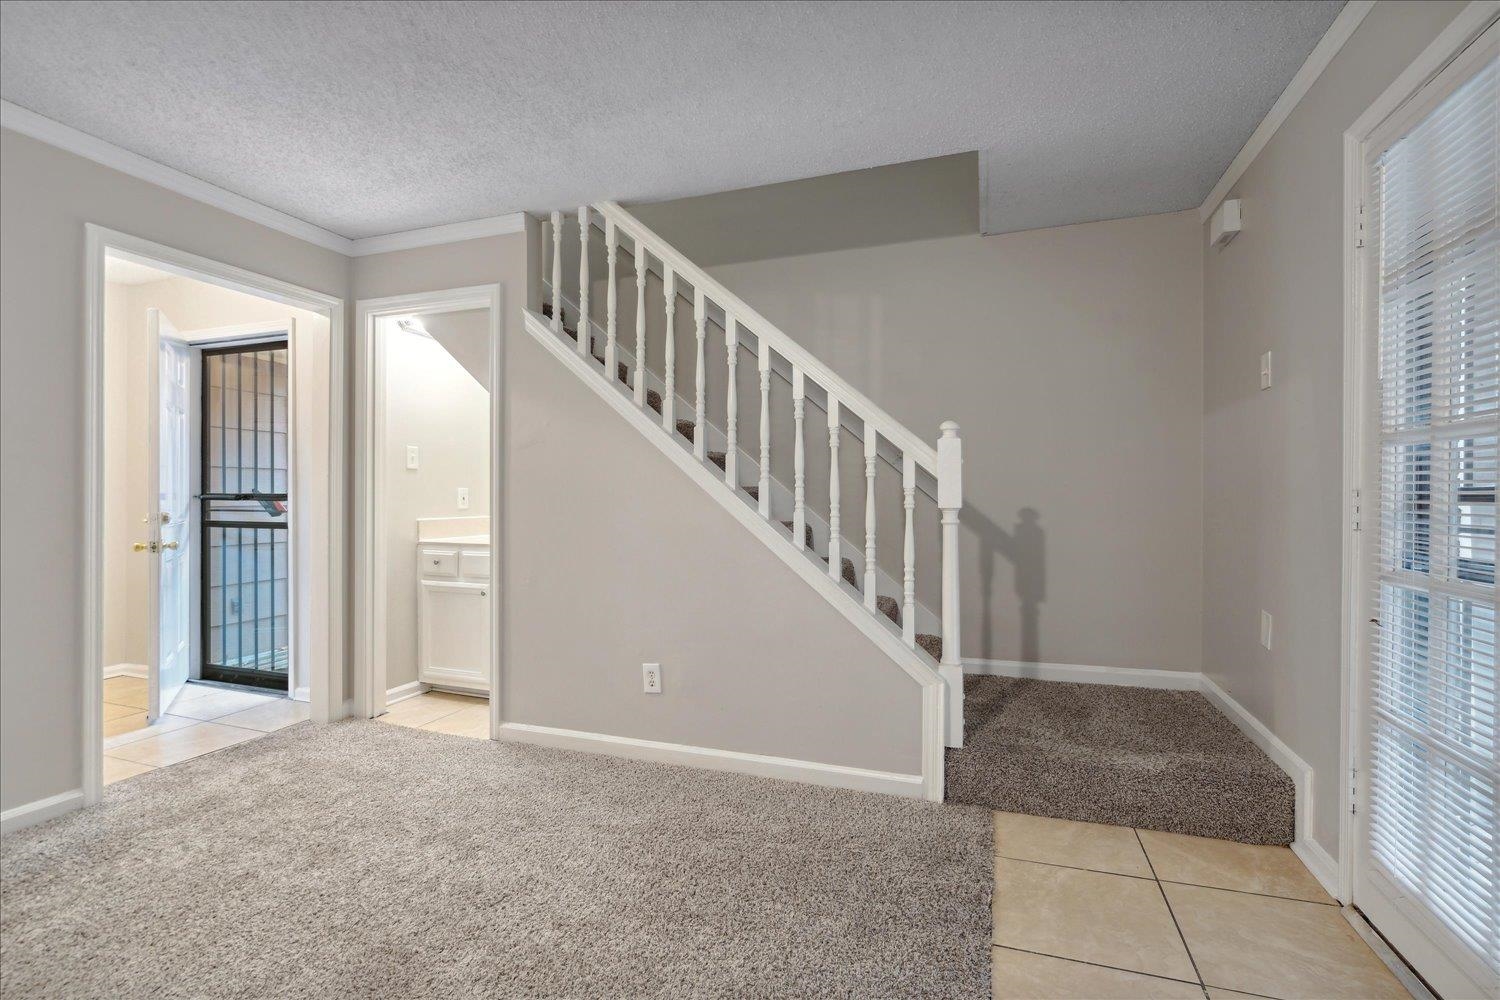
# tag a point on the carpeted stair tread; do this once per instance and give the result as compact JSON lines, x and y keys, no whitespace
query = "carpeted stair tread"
{"x":653,"y":399}
{"x":889,"y":607}
{"x":753,"y":490}
{"x":1135,"y":757}
{"x":849,"y":575}
{"x":622,"y":372}
{"x":719,"y":459}
{"x":932,"y":645}
{"x":686,"y":428}
{"x":806,"y":528}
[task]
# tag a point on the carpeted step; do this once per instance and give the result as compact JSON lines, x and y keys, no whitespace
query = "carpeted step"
{"x":931,"y":644}
{"x":686,"y":428}
{"x":753,"y":490}
{"x":719,"y":459}
{"x":889,"y":607}
{"x":1125,"y":756}
{"x":622,"y":371}
{"x":653,"y":399}
{"x":849,"y":576}
{"x":807,"y":529}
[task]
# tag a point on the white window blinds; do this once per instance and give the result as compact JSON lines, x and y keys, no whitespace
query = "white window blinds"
{"x":1432,"y":735}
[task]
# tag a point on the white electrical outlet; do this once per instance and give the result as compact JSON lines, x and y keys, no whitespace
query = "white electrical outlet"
{"x":463,"y":498}
{"x":411,"y":456}
{"x":1265,"y":370}
{"x":1265,"y":629}
{"x":651,"y":678}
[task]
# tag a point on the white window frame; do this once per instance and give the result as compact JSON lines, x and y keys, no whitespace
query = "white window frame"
{"x":1452,"y":56}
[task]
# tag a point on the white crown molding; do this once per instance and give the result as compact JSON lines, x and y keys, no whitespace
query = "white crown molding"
{"x":65,"y":137}
{"x":456,"y":232}
{"x":1317,"y":61}
{"x":55,"y":133}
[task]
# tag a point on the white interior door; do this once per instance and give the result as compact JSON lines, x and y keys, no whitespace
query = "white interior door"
{"x":169,"y":593}
{"x":1426,"y":829}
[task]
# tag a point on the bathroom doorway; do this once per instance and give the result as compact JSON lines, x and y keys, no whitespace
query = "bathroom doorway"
{"x":428,"y":607}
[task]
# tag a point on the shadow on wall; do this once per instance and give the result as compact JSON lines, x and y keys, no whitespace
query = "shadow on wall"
{"x":1025,"y":547}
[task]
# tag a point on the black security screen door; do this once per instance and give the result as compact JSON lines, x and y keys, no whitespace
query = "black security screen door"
{"x":244,"y":515}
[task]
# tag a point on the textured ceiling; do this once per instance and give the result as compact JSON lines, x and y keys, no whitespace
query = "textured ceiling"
{"x":369,"y":118}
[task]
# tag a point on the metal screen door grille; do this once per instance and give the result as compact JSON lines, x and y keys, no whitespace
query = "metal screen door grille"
{"x":244,"y":515}
{"x":1432,"y":741}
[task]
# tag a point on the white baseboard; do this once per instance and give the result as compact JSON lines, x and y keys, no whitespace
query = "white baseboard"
{"x":40,"y":811}
{"x":1078,"y":673}
{"x":808,"y":772}
{"x":401,"y":692}
{"x":1320,"y":863}
{"x":127,"y":670}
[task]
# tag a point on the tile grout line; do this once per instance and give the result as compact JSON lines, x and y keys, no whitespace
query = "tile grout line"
{"x":1182,"y":937}
{"x":1074,"y":868}
{"x":1096,"y":965}
{"x":1246,"y":892}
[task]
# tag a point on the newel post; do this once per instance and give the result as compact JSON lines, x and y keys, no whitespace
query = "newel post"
{"x":950,"y":499}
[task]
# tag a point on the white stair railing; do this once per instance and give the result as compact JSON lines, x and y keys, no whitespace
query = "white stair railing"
{"x":942,"y":463}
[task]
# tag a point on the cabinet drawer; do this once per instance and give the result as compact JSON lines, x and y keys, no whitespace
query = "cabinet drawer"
{"x":474,"y":564}
{"x":439,"y":562}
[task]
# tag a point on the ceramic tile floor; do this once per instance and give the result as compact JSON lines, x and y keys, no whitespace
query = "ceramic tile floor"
{"x":442,"y":712}
{"x":1089,"y":911}
{"x":200,"y":720}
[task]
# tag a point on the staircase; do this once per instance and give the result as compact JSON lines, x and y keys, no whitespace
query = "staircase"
{"x":881,"y":600}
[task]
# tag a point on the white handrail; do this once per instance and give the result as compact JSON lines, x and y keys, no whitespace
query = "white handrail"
{"x":849,"y":397}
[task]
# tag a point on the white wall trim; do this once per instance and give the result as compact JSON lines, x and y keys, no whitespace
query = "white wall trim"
{"x":786,"y":768}
{"x":401,"y":692}
{"x":1317,"y":61}
{"x":454,"y":232}
{"x":65,"y":137}
{"x":40,"y":811}
{"x":127,"y":670}
{"x":370,"y":695}
{"x":1078,"y":673}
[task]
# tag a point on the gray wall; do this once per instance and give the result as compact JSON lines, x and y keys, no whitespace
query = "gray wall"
{"x":1071,"y":358}
{"x":46,"y":196}
{"x":751,"y":660}
{"x":1273,"y":460}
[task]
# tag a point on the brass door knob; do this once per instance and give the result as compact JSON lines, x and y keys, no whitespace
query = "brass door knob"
{"x":144,"y":547}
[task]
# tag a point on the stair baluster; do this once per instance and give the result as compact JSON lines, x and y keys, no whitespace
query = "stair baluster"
{"x":700,"y":379}
{"x":732,"y":416}
{"x":764,"y":499}
{"x":909,"y":552}
{"x":557,"y":272}
{"x":669,"y":375}
{"x":799,"y":461}
{"x":610,"y":241}
{"x":641,"y":266}
{"x":584,"y":336}
{"x":871,"y":457}
{"x":835,"y":551}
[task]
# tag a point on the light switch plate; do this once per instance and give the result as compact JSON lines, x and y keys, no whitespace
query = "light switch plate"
{"x":1265,"y":370}
{"x":463,"y":498}
{"x":411,"y":456}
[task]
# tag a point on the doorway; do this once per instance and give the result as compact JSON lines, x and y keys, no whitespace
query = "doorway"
{"x":210,"y":540}
{"x":427,"y":538}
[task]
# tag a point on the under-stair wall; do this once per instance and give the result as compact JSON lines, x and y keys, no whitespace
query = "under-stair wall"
{"x":760,"y":672}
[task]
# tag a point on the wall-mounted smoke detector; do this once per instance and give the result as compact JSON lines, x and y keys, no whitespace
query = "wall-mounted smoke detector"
{"x":1225,"y":223}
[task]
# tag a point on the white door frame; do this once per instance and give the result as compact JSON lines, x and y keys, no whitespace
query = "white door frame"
{"x":325,"y":575}
{"x":1360,"y":499}
{"x":369,"y":545}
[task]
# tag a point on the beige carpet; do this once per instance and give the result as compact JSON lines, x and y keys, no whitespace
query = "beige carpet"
{"x":1159,"y":760}
{"x":365,"y":860}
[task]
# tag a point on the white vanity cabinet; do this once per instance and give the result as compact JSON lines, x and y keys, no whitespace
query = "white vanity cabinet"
{"x":453,"y":612}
